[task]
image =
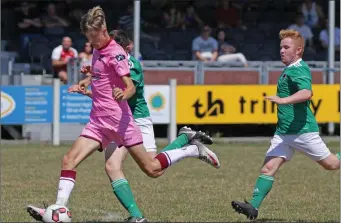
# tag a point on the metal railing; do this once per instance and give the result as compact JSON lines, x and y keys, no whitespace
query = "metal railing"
{"x":263,"y":68}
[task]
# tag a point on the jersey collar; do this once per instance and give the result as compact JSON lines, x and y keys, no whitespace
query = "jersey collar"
{"x":296,"y":62}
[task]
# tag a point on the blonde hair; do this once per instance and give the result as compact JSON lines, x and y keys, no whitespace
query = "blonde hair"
{"x":293,"y":34}
{"x":93,"y":20}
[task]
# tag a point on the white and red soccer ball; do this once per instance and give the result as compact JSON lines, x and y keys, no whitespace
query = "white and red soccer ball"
{"x":57,"y":213}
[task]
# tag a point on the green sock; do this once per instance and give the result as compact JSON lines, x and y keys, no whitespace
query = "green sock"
{"x":262,"y":188}
{"x":124,"y":194}
{"x":179,"y":142}
{"x":338,"y":155}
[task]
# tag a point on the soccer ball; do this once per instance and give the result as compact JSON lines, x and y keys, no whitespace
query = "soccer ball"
{"x":57,"y":213}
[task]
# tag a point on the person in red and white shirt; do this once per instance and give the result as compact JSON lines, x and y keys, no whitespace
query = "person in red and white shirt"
{"x":60,"y":56}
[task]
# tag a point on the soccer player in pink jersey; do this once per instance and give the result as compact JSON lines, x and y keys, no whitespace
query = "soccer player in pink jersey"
{"x":111,"y":118}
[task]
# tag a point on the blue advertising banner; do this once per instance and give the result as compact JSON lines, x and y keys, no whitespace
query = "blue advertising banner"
{"x":24,"y":105}
{"x":74,"y":107}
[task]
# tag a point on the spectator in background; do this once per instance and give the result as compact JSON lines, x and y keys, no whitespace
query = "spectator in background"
{"x":29,"y":25}
{"x":305,"y":30}
{"x":53,"y":23}
{"x":28,"y":21}
{"x":60,"y":57}
{"x":86,"y":55}
{"x":173,"y":18}
{"x":227,"y":52}
{"x":324,"y":37}
{"x":191,"y":18}
{"x":72,"y":11}
{"x":126,"y":22}
{"x":227,"y":16}
{"x":312,"y":13}
{"x":205,"y":47}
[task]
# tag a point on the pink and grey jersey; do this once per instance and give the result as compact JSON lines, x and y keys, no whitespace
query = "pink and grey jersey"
{"x":109,"y":64}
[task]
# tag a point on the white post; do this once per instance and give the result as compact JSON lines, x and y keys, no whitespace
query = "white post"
{"x":340,"y":106}
{"x":137,"y":8}
{"x":10,"y":66}
{"x":331,"y":52}
{"x":56,"y":112}
{"x":172,"y":127}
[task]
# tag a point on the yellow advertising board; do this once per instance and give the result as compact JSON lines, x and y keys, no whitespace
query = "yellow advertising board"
{"x":243,"y":104}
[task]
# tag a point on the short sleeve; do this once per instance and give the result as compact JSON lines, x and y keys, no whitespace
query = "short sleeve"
{"x":119,"y":62}
{"x":300,"y":78}
{"x":195,"y":45}
{"x":75,"y":52}
{"x":56,"y":54}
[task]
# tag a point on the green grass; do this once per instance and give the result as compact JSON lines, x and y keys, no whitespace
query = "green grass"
{"x":189,"y":191}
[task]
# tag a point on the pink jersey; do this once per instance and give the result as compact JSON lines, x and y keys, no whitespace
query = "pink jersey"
{"x":109,"y":64}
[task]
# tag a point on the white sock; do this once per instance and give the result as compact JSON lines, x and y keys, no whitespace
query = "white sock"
{"x":176,"y":155}
{"x":66,"y":184}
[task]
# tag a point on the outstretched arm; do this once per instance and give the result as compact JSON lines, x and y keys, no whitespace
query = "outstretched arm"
{"x":298,"y":97}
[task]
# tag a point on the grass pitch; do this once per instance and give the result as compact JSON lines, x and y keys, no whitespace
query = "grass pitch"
{"x":189,"y":191}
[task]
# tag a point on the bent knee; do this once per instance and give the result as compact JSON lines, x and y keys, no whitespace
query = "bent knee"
{"x":151,"y":171}
{"x":330,"y":163}
{"x":331,"y":166}
{"x":113,"y":167}
{"x":270,"y":167}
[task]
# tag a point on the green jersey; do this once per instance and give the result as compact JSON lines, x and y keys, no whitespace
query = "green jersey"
{"x":295,"y":118}
{"x":137,"y":103}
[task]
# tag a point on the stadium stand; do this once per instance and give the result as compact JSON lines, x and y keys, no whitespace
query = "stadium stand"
{"x":261,"y":21}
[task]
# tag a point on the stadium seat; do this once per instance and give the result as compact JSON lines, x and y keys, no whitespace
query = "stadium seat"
{"x":251,"y":16}
{"x":181,"y":55}
{"x":19,"y":68}
{"x":4,"y":65}
{"x":166,"y":44}
{"x":309,"y":54}
{"x":3,"y":45}
{"x":39,"y":49}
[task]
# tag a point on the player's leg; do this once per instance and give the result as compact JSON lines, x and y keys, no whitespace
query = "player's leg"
{"x":90,"y":140}
{"x":147,"y":131}
{"x":331,"y":162}
{"x":63,"y":76}
{"x":277,"y":154}
{"x":82,"y":148}
{"x":185,"y":136}
{"x":114,"y":157}
{"x":312,"y":145}
{"x":154,"y":167}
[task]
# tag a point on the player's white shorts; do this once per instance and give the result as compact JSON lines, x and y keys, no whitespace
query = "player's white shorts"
{"x":147,"y":130}
{"x":310,"y":144}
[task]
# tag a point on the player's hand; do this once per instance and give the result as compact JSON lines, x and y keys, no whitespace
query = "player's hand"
{"x":84,"y":84}
{"x":76,"y":89}
{"x":275,"y":99}
{"x":118,"y":94}
{"x":86,"y":69}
